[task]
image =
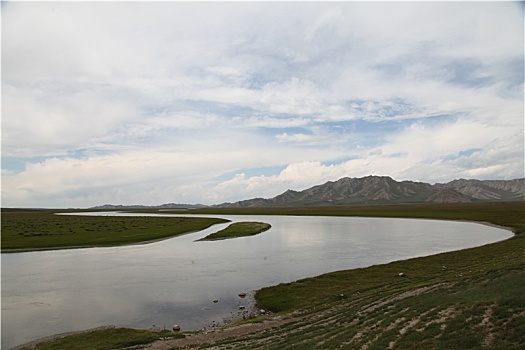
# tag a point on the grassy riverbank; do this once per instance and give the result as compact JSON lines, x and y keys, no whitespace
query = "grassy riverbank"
{"x":106,"y":338}
{"x":468,"y":299}
{"x":26,"y":230}
{"x":238,"y":229}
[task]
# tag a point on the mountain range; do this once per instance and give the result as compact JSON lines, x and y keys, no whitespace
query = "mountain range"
{"x":137,"y":206}
{"x":372,"y":190}
{"x":385,"y":190}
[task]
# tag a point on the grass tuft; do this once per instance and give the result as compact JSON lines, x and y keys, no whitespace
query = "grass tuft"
{"x":238,"y":229}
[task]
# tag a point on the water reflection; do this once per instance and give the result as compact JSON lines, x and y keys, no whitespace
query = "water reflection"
{"x":176,"y":280}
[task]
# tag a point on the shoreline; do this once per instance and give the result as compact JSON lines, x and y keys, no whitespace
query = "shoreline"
{"x":31,"y":344}
{"x":229,"y":322}
{"x":43,"y":249}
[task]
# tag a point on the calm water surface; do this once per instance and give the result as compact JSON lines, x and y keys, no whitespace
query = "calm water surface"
{"x":175,"y":281}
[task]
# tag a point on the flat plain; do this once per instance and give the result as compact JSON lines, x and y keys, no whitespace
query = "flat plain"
{"x":26,"y":230}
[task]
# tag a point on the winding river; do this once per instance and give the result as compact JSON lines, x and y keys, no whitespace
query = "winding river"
{"x":176,"y":281}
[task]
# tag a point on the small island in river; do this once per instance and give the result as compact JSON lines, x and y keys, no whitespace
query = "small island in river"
{"x":238,"y":229}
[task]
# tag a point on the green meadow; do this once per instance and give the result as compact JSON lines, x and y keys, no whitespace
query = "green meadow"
{"x":24,"y":230}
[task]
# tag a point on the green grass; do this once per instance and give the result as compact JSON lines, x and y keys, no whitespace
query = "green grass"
{"x":238,"y":229}
{"x":42,"y":229}
{"x":495,"y":212}
{"x":425,"y":270}
{"x":107,"y":339}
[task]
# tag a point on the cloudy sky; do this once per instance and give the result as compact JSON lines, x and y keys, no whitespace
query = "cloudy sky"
{"x":193,"y":102}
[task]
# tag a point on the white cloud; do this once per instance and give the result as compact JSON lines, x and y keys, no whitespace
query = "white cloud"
{"x":296,"y":175}
{"x":119,"y":101}
{"x":47,"y":122}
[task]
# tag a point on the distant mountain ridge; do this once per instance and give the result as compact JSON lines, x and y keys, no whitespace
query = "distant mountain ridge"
{"x":162,"y":206}
{"x":371,"y":190}
{"x":489,"y":189}
{"x":385,"y":190}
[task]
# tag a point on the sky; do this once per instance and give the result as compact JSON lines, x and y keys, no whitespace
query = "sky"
{"x":212,"y":102}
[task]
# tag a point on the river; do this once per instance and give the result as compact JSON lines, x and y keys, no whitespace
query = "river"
{"x":176,"y":281}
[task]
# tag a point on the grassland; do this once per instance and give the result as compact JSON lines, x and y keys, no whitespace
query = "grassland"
{"x":108,"y":339}
{"x":468,"y":299}
{"x":25,"y":230}
{"x":238,"y":229}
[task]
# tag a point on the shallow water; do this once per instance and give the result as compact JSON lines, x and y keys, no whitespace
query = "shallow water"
{"x":175,"y":281}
